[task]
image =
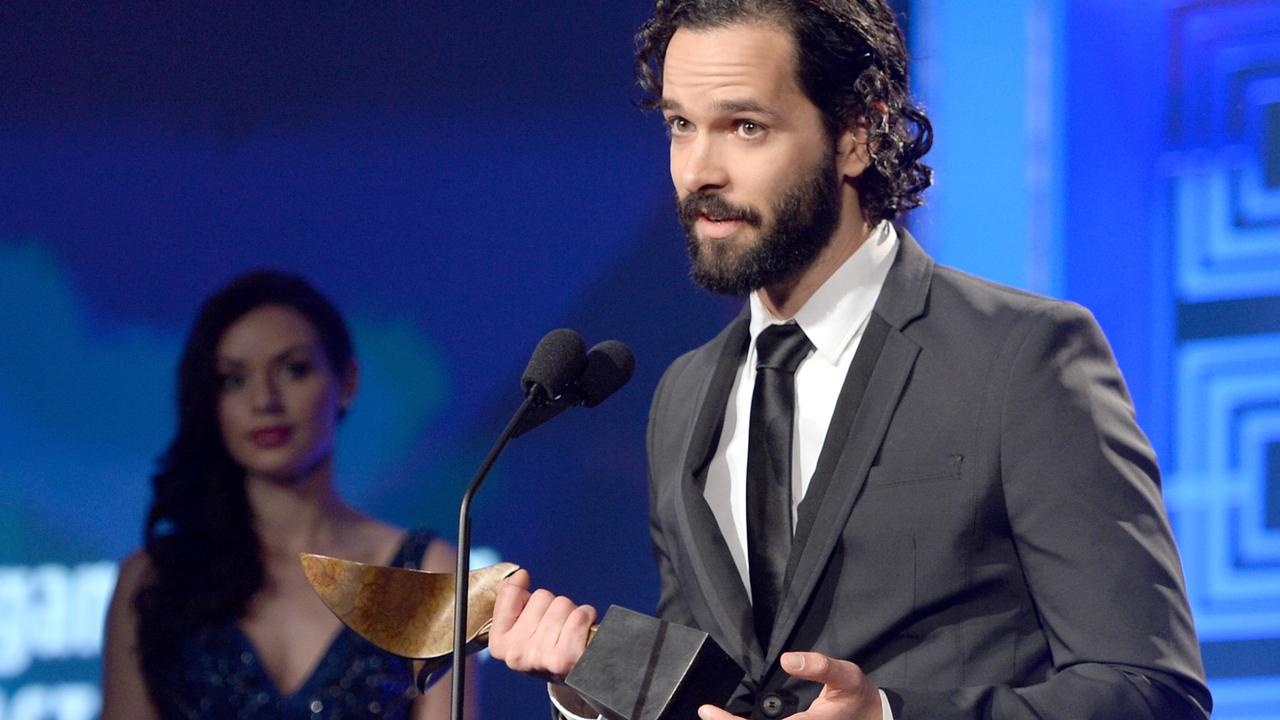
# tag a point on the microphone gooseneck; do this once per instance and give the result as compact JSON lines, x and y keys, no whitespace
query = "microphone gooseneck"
{"x":560,"y":374}
{"x":557,"y":361}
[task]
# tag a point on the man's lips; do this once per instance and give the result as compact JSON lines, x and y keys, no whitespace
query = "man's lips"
{"x":270,"y":437}
{"x":718,"y":228}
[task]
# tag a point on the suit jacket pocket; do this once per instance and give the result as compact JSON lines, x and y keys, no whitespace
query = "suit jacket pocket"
{"x":926,"y":470}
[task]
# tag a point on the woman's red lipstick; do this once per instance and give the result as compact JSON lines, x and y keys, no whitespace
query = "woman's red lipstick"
{"x":270,"y":437}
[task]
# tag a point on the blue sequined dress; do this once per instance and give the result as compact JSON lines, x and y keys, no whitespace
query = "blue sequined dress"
{"x":218,"y":674}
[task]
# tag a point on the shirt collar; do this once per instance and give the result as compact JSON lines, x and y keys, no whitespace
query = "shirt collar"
{"x":841,"y":306}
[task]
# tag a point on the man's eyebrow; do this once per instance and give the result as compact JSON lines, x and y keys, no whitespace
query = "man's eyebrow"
{"x":743,"y":106}
{"x":724,"y":106}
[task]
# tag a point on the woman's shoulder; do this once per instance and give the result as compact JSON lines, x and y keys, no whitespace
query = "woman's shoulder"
{"x":426,"y":550}
{"x":135,"y":570}
{"x":418,"y":547}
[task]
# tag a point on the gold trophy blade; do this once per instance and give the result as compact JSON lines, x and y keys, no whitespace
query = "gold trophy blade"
{"x":405,"y":612}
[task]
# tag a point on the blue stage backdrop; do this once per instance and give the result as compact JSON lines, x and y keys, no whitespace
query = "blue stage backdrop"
{"x":463,"y":177}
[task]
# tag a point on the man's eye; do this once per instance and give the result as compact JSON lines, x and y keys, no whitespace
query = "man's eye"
{"x":749,"y":129}
{"x":677,"y":125}
{"x":230,"y":381}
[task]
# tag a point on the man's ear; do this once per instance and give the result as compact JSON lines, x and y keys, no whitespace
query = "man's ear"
{"x":853,"y":156}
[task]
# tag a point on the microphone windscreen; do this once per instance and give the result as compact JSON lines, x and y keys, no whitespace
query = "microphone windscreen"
{"x":609,"y":366}
{"x":558,"y":360}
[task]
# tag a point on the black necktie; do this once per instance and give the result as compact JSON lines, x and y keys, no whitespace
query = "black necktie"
{"x":779,"y":350}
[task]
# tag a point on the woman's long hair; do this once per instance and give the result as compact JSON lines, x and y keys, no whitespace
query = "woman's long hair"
{"x":199,"y":533}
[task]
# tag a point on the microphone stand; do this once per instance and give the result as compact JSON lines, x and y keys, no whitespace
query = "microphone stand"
{"x":464,"y":552}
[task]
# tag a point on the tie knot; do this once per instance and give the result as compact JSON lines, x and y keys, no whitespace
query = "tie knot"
{"x":782,"y":347}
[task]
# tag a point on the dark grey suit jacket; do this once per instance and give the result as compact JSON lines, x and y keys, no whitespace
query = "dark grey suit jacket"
{"x":986,"y":538}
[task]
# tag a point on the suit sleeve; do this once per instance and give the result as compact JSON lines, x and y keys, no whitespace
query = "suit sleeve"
{"x":1082,"y":492}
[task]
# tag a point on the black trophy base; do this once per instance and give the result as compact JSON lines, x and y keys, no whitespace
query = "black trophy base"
{"x":641,"y":668}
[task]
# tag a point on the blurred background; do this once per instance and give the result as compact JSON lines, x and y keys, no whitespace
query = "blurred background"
{"x":462,"y":177}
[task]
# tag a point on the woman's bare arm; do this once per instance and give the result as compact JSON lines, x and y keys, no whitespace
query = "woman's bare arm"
{"x":124,"y":691}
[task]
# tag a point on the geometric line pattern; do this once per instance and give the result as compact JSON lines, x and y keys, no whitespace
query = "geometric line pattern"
{"x":1228,"y":418}
{"x":1219,"y":255}
{"x":1226,"y":203}
{"x":1224,"y":220}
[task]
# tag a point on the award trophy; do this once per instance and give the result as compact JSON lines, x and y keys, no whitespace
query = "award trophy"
{"x":406,"y":612}
{"x":635,"y":667}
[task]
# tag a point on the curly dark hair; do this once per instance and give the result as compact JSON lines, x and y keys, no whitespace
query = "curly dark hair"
{"x":199,"y":534}
{"x":852,"y":63}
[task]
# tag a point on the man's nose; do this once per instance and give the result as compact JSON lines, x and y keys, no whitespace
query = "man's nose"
{"x":701,"y":167}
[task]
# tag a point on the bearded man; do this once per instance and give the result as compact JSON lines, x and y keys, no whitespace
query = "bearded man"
{"x":888,"y":489}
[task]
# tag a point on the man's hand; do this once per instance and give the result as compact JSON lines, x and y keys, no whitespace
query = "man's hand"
{"x":538,"y":633}
{"x":847,"y":694}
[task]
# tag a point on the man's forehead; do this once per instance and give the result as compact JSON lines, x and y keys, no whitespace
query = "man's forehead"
{"x":739,"y":64}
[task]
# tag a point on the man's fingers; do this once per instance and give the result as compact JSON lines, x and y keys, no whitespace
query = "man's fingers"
{"x":512,"y":598}
{"x":711,"y":712}
{"x":538,"y":633}
{"x":582,"y":619}
{"x":835,"y":674}
{"x":513,"y":594}
{"x":547,"y":634}
{"x":535,"y":606}
{"x":559,"y":637}
{"x":519,"y":578}
{"x":576,"y":630}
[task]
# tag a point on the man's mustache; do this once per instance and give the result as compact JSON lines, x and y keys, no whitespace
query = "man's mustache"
{"x":715,"y":207}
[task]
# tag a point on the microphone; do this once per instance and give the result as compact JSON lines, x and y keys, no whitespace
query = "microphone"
{"x":557,"y":363}
{"x":609,"y":365}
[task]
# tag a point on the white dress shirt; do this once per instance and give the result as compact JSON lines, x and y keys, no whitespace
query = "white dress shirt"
{"x":834,"y":320}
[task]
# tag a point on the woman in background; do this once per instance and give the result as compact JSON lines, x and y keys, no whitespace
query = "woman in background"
{"x":214,"y":617}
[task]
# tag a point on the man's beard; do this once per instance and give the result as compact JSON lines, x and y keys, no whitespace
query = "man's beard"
{"x":805,"y":217}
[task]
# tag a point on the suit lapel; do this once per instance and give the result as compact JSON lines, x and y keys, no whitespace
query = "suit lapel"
{"x":854,"y":435}
{"x":717,"y":576}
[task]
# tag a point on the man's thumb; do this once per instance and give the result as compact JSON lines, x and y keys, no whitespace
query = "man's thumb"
{"x":820,"y":668}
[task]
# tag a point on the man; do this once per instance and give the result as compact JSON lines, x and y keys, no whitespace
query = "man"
{"x":888,"y":489}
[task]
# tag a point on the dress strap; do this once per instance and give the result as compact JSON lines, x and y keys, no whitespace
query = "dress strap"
{"x":410,"y":553}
